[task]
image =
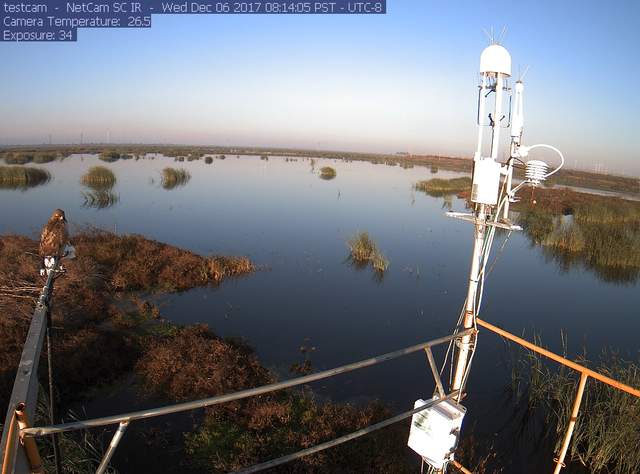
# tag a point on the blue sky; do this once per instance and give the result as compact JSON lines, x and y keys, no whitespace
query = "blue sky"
{"x":404,"y":81}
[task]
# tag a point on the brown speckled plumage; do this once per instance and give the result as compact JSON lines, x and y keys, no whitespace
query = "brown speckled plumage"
{"x":54,"y":235}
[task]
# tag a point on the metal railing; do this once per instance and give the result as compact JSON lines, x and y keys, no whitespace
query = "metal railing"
{"x":17,"y":432}
{"x":585,"y":373}
{"x":24,"y":396}
{"x":25,"y":434}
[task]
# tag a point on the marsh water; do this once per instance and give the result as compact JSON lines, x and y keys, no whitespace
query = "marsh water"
{"x":295,"y":225}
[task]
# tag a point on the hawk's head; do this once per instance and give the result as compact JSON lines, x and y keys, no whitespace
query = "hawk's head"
{"x":58,"y":215}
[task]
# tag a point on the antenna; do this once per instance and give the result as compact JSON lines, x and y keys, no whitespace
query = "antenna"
{"x":521,"y":75}
{"x":488,"y":35}
{"x":502,"y":34}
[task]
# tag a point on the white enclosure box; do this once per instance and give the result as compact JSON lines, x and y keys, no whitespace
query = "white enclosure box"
{"x":486,"y":182}
{"x":435,"y":431}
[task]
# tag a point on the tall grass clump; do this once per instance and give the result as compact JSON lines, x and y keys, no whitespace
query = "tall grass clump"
{"x":44,"y":157}
{"x":99,"y":178}
{"x":600,"y":233}
{"x":441,"y":187}
{"x":18,"y":158}
{"x":327,"y":172}
{"x":208,"y":160}
{"x":607,"y":429}
{"x":109,"y":156}
{"x":363,"y":251}
{"x":22,"y":177}
{"x":174,"y":177}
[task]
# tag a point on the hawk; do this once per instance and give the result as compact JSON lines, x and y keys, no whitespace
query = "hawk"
{"x":54,"y":238}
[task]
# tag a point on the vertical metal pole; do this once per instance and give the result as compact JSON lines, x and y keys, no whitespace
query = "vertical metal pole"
{"x":469,"y":311}
{"x":572,"y":423}
{"x":434,"y":371}
{"x":117,"y":436}
{"x":478,"y":245}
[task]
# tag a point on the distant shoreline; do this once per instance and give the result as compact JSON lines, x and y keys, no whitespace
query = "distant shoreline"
{"x":568,"y":177}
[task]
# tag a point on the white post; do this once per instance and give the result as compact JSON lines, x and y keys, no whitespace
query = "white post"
{"x":469,"y":311}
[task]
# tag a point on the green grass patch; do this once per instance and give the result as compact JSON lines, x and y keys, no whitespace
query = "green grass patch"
{"x":442,"y":187}
{"x":99,"y":178}
{"x":174,"y":177}
{"x":109,"y":156}
{"x":22,"y":177}
{"x":363,"y":251}
{"x":327,"y":172}
{"x":597,"y":232}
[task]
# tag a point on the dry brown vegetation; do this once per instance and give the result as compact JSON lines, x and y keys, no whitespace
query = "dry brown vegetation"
{"x":132,"y":262}
{"x":107,"y":265}
{"x":108,"y":333}
{"x":193,"y":363}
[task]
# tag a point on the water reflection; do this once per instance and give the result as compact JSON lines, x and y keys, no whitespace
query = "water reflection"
{"x":100,"y":199}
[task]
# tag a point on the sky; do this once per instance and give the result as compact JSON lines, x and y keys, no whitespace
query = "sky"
{"x":401,"y":82}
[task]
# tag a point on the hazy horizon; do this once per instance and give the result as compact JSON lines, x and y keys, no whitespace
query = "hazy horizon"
{"x":400,"y":82}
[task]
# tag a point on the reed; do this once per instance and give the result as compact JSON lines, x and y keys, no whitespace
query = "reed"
{"x":109,"y":156}
{"x":327,"y":172}
{"x":363,"y":251}
{"x":17,"y":158}
{"x":174,"y":177}
{"x":601,"y":235}
{"x":22,"y":177}
{"x":441,"y":187}
{"x":99,"y":178}
{"x":607,"y":426}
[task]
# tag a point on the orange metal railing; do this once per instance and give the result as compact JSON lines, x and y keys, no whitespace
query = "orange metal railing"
{"x":585,"y":373}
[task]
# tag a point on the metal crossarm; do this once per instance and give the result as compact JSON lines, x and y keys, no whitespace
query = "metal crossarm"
{"x":186,"y":406}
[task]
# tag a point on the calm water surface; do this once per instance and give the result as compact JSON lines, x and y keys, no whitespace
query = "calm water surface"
{"x":296,"y":225}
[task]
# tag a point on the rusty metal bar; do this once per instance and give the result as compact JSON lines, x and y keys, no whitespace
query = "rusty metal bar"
{"x":460,"y":467}
{"x":29,"y":444}
{"x":572,"y":423}
{"x":434,"y":371}
{"x":12,"y":439}
{"x":25,"y":386}
{"x":561,"y":360}
{"x":117,"y":436}
{"x":180,"y":407}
